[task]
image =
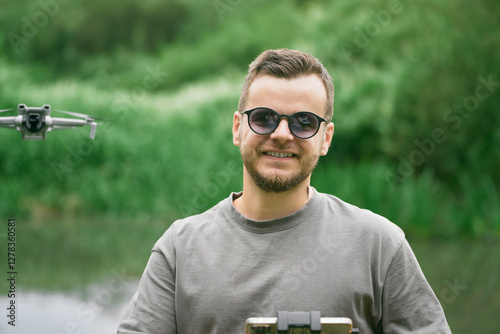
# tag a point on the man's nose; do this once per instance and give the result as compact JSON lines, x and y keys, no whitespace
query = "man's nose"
{"x":282,"y":132}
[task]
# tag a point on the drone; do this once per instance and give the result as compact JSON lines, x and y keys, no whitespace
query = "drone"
{"x":35,"y":122}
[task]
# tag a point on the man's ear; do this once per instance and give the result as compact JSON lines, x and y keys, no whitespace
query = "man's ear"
{"x":328,"y":138}
{"x":236,"y":128}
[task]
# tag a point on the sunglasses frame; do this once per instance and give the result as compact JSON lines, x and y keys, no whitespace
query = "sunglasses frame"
{"x":289,"y":117}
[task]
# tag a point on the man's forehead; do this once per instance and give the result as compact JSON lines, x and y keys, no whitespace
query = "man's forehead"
{"x":307,"y":90}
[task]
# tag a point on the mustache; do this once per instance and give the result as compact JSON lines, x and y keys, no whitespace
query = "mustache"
{"x":280,"y":147}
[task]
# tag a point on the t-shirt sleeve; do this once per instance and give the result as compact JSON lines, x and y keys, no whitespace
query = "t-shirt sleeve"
{"x":409,"y":304}
{"x":152,"y":309}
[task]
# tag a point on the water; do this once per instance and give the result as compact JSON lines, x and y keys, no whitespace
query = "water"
{"x":464,"y":275}
{"x":97,"y":310}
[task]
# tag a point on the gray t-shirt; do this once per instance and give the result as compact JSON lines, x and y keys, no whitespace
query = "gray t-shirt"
{"x":210,"y":272}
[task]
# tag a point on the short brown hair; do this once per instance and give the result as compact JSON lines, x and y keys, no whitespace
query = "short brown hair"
{"x":288,"y":64}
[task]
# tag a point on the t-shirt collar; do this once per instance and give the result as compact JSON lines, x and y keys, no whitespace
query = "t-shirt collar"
{"x":273,"y":225}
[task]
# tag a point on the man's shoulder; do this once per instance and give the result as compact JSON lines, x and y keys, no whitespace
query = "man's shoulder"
{"x":193,"y":225}
{"x":360,"y":220}
{"x":200,"y":220}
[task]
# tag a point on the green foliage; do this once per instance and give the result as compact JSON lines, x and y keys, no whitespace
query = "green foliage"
{"x":399,"y":67}
{"x":422,"y":206}
{"x":416,"y":135}
{"x":78,"y":29}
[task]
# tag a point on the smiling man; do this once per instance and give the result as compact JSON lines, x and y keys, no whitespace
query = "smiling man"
{"x":278,"y":162}
{"x":279,"y":245}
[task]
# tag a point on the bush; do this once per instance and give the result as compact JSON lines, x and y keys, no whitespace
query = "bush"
{"x":396,"y":95}
{"x":58,"y":33}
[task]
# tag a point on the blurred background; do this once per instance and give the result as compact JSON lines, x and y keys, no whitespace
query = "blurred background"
{"x":417,"y":91}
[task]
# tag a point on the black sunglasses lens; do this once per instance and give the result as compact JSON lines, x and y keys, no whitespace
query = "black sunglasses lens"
{"x":304,"y":125}
{"x":264,"y":121}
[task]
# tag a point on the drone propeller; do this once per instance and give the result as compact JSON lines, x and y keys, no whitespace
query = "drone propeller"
{"x":6,"y":110}
{"x":87,"y":117}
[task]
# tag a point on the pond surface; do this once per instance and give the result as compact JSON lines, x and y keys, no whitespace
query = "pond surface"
{"x":464,"y":275}
{"x":97,"y":310}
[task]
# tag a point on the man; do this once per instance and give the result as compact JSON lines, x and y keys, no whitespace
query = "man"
{"x":279,"y":245}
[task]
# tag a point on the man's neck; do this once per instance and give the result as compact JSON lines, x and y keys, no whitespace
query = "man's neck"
{"x":259,"y":205}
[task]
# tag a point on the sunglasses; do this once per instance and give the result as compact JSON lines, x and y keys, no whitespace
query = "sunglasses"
{"x":302,"y":124}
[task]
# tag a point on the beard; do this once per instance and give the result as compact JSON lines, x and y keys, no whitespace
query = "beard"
{"x":279,"y":181}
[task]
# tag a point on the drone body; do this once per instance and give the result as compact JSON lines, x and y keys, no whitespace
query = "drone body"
{"x":34,"y":122}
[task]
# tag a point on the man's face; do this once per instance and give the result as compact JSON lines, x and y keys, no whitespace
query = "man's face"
{"x":262,"y":155}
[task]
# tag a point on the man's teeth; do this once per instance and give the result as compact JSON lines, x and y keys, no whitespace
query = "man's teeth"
{"x":280,"y":155}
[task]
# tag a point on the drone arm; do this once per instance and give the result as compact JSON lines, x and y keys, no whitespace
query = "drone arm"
{"x":61,"y":123}
{"x":57,"y":123}
{"x":9,"y":122}
{"x":60,"y":127}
